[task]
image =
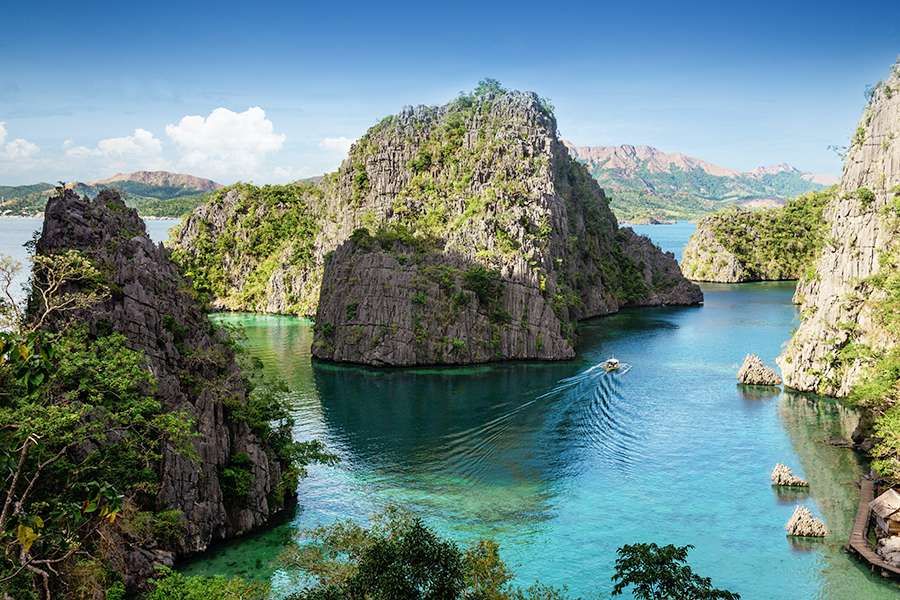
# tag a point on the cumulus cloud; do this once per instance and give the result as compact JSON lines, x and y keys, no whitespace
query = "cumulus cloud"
{"x":140,"y":145}
{"x":16,"y":150}
{"x":336,"y":144}
{"x":225,"y":143}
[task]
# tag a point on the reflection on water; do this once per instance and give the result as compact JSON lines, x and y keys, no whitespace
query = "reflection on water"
{"x":562,"y":463}
{"x":812,"y":423}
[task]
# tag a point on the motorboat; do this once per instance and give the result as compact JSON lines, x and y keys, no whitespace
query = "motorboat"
{"x":611,"y":364}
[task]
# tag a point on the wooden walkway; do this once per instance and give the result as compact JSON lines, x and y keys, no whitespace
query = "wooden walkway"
{"x":859,"y":542}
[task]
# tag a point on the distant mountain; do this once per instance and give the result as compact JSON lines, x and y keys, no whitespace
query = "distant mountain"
{"x":162,"y":179}
{"x":152,"y":193}
{"x":644,"y":182}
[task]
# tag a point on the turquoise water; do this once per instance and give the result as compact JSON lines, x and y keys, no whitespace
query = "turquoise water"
{"x":562,"y":464}
{"x":670,"y":237}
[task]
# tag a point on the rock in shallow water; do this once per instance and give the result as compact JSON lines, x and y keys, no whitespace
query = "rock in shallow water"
{"x":755,"y":372}
{"x":803,"y":524}
{"x":782,"y":475}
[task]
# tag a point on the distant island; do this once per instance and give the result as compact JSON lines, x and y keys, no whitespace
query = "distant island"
{"x":152,"y":193}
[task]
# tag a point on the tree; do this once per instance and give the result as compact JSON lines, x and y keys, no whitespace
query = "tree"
{"x":62,"y":283}
{"x":398,"y":558}
{"x":661,"y":573}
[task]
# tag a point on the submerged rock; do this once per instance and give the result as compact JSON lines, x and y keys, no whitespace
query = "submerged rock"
{"x":803,"y":524}
{"x":782,"y":475}
{"x":754,"y":372}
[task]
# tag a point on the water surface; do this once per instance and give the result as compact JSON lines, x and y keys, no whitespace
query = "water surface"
{"x":563,"y":464}
{"x":16,"y":231}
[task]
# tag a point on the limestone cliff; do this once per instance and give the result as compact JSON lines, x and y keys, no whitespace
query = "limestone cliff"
{"x":151,"y":304}
{"x":737,"y":245}
{"x":846,"y":324}
{"x":478,"y":238}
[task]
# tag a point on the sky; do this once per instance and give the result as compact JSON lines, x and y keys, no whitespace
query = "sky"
{"x":271,"y":92}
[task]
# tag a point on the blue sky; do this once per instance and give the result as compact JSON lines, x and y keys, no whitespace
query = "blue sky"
{"x":271,"y":92}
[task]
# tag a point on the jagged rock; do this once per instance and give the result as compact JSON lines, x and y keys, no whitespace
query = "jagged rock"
{"x":754,"y":372}
{"x":151,"y":304}
{"x":803,"y":524}
{"x":706,"y":259}
{"x":773,"y":244}
{"x":783,"y":476}
{"x":837,"y":303}
{"x":481,"y":183}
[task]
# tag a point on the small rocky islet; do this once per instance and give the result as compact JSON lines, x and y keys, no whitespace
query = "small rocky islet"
{"x":454,"y":234}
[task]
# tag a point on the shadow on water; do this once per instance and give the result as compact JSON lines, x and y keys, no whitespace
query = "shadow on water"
{"x":562,"y":463}
{"x":753,"y":393}
{"x":494,"y":432}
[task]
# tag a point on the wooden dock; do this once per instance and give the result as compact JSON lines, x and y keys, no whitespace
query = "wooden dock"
{"x":859,"y":540}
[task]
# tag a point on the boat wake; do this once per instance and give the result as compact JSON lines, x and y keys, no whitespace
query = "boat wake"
{"x":586,"y":414}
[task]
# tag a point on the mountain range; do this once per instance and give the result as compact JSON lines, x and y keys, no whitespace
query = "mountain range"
{"x":645,"y":183}
{"x":152,"y":193}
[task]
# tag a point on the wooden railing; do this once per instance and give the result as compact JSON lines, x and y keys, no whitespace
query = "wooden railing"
{"x":859,"y":536}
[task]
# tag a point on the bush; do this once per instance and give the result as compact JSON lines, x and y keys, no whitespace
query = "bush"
{"x":172,"y":585}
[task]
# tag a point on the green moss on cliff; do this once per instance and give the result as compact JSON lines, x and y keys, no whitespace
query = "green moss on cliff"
{"x":878,"y":391}
{"x":770,"y":244}
{"x":273,"y":225}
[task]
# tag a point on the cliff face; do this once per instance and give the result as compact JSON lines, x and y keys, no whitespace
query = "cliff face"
{"x":151,"y":304}
{"x":772,"y":244}
{"x":483,"y":240}
{"x":706,"y":259}
{"x":840,"y":303}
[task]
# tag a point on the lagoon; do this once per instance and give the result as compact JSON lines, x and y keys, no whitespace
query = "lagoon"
{"x":562,"y":464}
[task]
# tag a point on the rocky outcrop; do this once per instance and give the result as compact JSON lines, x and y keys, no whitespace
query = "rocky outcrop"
{"x":803,"y":524}
{"x":771,"y":244}
{"x":706,"y":259}
{"x":431,"y":205}
{"x":151,"y":304}
{"x":783,"y":476}
{"x":754,"y":372}
{"x":839,"y":303}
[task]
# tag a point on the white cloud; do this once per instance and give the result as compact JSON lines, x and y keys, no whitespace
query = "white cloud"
{"x":17,"y":149}
{"x":225,"y":143}
{"x":140,"y":145}
{"x":336,"y":144}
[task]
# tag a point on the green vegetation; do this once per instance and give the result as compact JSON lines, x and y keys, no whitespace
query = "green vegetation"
{"x":643,"y":192}
{"x":82,"y":433}
{"x":172,"y":585}
{"x":661,"y":573}
{"x":770,"y":244}
{"x":273,"y":226}
{"x":878,"y":391}
{"x":398,"y":557}
{"x":148,"y":200}
{"x":443,"y":169}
